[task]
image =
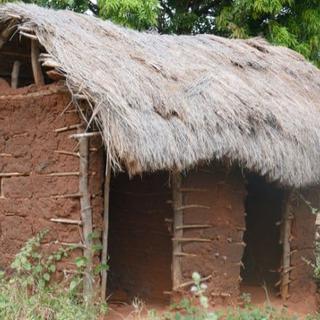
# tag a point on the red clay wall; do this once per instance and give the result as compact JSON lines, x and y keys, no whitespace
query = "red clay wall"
{"x":302,"y":288}
{"x":223,"y":192}
{"x":28,"y":149}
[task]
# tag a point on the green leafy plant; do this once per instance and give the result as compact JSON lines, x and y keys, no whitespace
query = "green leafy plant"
{"x":30,"y":293}
{"x":32,"y":266}
{"x":196,"y":308}
{"x":137,"y":14}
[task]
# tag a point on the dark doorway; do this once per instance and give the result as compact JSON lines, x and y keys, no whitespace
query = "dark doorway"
{"x":262,"y":254}
{"x":140,"y":245}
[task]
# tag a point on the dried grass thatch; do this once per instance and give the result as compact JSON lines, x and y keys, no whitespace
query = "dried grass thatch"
{"x":169,"y":102}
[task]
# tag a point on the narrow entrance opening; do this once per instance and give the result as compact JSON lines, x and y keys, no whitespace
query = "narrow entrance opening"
{"x":263,"y":251}
{"x":140,"y":246}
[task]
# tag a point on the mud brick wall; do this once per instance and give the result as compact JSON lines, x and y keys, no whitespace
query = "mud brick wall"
{"x":140,"y":244}
{"x":34,"y":187}
{"x":221,"y":192}
{"x":302,"y":286}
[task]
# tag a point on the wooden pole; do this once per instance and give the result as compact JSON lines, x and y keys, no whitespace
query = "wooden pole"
{"x":6,"y":33}
{"x":15,"y":74}
{"x":286,"y":255}
{"x":104,"y":255}
{"x":86,"y":218}
{"x":177,"y":230}
{"x":36,"y":67}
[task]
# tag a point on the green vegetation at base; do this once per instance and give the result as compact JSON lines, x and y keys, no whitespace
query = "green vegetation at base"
{"x":31,"y":292}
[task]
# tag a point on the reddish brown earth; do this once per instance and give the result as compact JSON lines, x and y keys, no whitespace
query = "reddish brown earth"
{"x":34,"y":193}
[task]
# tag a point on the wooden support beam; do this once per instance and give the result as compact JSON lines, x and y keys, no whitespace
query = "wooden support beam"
{"x":67,"y":128}
{"x":86,"y":217}
{"x":67,"y":153}
{"x":191,"y":282}
{"x":190,"y":239}
{"x":66,"y":221}
{"x":63,"y":174}
{"x":67,"y":195}
{"x":15,"y":74}
{"x":84,"y":135}
{"x":105,"y":235}
{"x":184,"y":254}
{"x":36,"y":67}
{"x":195,"y":226}
{"x":40,"y":93}
{"x":286,"y":252}
{"x":7,"y":33}
{"x":55,"y":75}
{"x":12,"y":174}
{"x":177,"y":198}
{"x":192,"y":206}
{"x":29,"y":35}
{"x":193,"y":190}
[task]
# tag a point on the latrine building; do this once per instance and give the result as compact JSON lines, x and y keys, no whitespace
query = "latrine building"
{"x":188,"y":153}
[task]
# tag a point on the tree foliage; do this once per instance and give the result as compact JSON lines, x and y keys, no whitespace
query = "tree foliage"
{"x":292,"y":23}
{"x":137,"y":14}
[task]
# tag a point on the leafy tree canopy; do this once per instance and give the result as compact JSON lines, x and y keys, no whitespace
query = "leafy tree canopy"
{"x":292,"y":23}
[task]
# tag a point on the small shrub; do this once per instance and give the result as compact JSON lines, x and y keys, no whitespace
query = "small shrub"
{"x":30,"y":295}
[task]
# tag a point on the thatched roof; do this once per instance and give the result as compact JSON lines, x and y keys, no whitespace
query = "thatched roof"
{"x":170,"y":102}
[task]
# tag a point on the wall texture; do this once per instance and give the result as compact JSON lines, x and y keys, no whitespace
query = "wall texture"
{"x":302,"y":287}
{"x":221,"y":194}
{"x":38,"y":178}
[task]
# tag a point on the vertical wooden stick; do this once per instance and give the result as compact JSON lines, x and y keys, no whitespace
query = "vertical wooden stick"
{"x":6,"y":33}
{"x":177,"y":230}
{"x":86,"y":217}
{"x":36,"y":67}
{"x":15,"y":74}
{"x":286,"y":257}
{"x":104,"y":255}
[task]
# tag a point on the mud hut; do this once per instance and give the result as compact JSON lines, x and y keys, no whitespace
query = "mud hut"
{"x":190,"y":153}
